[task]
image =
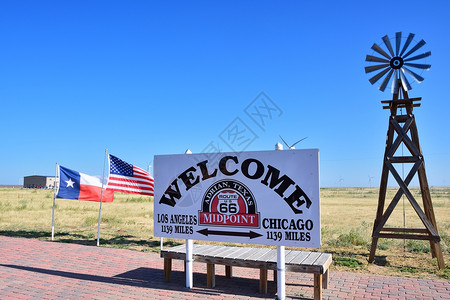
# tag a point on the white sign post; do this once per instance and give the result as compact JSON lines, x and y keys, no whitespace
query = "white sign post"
{"x":281,"y":271}
{"x":189,"y":260}
{"x":261,"y":197}
{"x":281,"y":260}
{"x":189,"y":264}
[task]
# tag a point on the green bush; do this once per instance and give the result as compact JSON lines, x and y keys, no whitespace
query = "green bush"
{"x":384,"y":245}
{"x":446,"y":273}
{"x":418,"y":246}
{"x":408,"y":270}
{"x":347,"y":262}
{"x":348,"y":239}
{"x":111,"y":220}
{"x":89,"y":221}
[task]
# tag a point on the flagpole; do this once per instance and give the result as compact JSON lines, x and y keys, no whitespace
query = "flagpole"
{"x":101,"y":198}
{"x":54,"y":197}
{"x":161,"y":239}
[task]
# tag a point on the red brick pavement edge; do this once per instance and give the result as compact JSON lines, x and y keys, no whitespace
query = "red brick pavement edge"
{"x":33,"y":269}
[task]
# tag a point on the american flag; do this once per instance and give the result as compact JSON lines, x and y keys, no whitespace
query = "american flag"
{"x":126,"y":178}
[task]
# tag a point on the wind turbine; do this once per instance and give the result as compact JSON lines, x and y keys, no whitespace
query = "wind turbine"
{"x":293,"y":145}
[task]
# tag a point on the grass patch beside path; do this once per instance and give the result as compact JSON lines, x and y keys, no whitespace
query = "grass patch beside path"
{"x":347,"y":216}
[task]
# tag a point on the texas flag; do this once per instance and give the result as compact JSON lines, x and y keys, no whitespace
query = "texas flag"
{"x":79,"y":186}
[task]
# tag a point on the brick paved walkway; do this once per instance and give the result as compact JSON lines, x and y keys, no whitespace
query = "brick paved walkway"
{"x":44,"y":270}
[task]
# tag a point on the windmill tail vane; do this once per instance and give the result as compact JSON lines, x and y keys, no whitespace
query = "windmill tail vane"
{"x":396,"y":63}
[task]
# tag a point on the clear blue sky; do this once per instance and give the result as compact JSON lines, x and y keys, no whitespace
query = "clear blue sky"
{"x":157,"y":77}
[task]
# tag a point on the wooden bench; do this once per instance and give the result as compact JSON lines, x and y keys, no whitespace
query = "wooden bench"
{"x":262,"y":258}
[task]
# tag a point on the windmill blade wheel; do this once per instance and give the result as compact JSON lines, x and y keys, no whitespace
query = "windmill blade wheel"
{"x":397,"y":62}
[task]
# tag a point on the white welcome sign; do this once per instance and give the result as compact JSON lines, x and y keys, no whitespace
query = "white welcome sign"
{"x":261,"y":197}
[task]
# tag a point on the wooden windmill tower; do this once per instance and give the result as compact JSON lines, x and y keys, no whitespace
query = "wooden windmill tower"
{"x":402,"y":130}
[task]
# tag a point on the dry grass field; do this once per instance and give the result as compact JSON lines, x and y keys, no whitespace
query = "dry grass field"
{"x":347,"y":216}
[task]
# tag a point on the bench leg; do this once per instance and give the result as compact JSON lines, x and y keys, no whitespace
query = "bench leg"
{"x":263,"y":281}
{"x":210,"y":275}
{"x":228,"y":271}
{"x":167,"y":269}
{"x":317,"y":286}
{"x":325,"y":280}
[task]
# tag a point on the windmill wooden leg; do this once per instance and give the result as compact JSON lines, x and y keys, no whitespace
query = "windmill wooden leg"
{"x":436,"y":251}
{"x":381,"y":200}
{"x":372,"y":249}
{"x":439,"y":256}
{"x":433,"y":249}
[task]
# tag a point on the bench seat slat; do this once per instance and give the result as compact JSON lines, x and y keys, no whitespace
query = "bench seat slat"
{"x":324,"y":261}
{"x":269,"y":255}
{"x":218,"y":251}
{"x":290,"y":256}
{"x":213,"y":250}
{"x":238,"y":255}
{"x":301,"y":256}
{"x":230,"y":261}
{"x":273,"y":258}
{"x":261,"y":263}
{"x":230,"y":252}
{"x":176,"y":248}
{"x":174,"y":253}
{"x":310,"y":264}
{"x":255,"y":256}
{"x":312,"y":257}
{"x":243,"y":253}
{"x":198,"y":248}
{"x":323,"y":258}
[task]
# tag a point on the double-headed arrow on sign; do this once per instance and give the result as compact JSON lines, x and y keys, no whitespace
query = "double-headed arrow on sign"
{"x":250,"y":234}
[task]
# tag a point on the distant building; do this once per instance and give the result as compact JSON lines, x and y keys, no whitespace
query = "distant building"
{"x":38,"y":181}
